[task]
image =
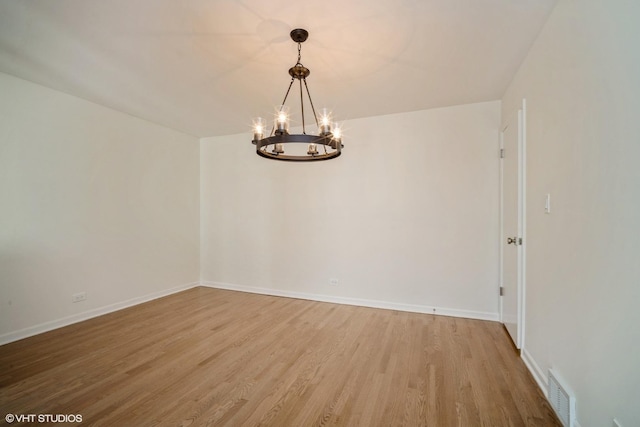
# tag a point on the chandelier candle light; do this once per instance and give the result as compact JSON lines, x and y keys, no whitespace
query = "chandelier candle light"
{"x":327,"y":144}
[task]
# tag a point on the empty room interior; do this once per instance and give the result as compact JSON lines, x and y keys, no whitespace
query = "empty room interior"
{"x":439,"y":225}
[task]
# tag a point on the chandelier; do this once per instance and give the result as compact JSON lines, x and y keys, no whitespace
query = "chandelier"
{"x":327,"y":144}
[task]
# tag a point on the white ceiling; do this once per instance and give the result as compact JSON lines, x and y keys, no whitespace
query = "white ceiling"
{"x":207,"y":67}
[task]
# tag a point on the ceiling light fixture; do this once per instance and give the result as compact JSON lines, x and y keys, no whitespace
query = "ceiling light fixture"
{"x":327,"y":144}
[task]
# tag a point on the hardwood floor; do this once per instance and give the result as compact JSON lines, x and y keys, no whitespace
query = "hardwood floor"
{"x":214,"y":357}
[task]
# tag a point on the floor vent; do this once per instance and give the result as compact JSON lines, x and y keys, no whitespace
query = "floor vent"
{"x":562,"y":401}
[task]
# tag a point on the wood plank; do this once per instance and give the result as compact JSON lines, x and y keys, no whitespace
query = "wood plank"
{"x":215,"y":357}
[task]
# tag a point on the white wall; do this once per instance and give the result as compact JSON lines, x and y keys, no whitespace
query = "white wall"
{"x":92,"y":200}
{"x":582,"y":85}
{"x":407,"y":215}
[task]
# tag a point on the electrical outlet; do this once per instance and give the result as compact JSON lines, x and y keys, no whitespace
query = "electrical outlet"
{"x":80,"y":296}
{"x":333,"y":282}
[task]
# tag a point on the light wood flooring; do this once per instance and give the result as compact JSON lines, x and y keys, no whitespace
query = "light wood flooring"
{"x":215,"y":357}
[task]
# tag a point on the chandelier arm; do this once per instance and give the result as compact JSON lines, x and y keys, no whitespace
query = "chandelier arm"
{"x":315,"y":116}
{"x":287,"y":94}
{"x":273,"y":129}
{"x":304,"y":131}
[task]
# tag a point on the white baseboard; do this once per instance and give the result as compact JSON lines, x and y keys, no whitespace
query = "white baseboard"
{"x":535,"y":370}
{"x":357,"y":301}
{"x":59,"y":323}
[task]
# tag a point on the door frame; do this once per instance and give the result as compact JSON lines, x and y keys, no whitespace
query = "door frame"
{"x":520,"y":119}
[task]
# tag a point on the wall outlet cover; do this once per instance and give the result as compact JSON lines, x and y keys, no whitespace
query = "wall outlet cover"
{"x":80,"y":296}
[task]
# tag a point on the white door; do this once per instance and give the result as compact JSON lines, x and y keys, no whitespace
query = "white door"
{"x":512,"y":249}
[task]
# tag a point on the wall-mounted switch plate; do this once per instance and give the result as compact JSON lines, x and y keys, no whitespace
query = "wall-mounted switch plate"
{"x":547,"y":204}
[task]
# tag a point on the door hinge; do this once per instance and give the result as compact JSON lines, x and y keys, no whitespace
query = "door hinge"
{"x":502,"y":153}
{"x":501,"y":290}
{"x":519,"y":241}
